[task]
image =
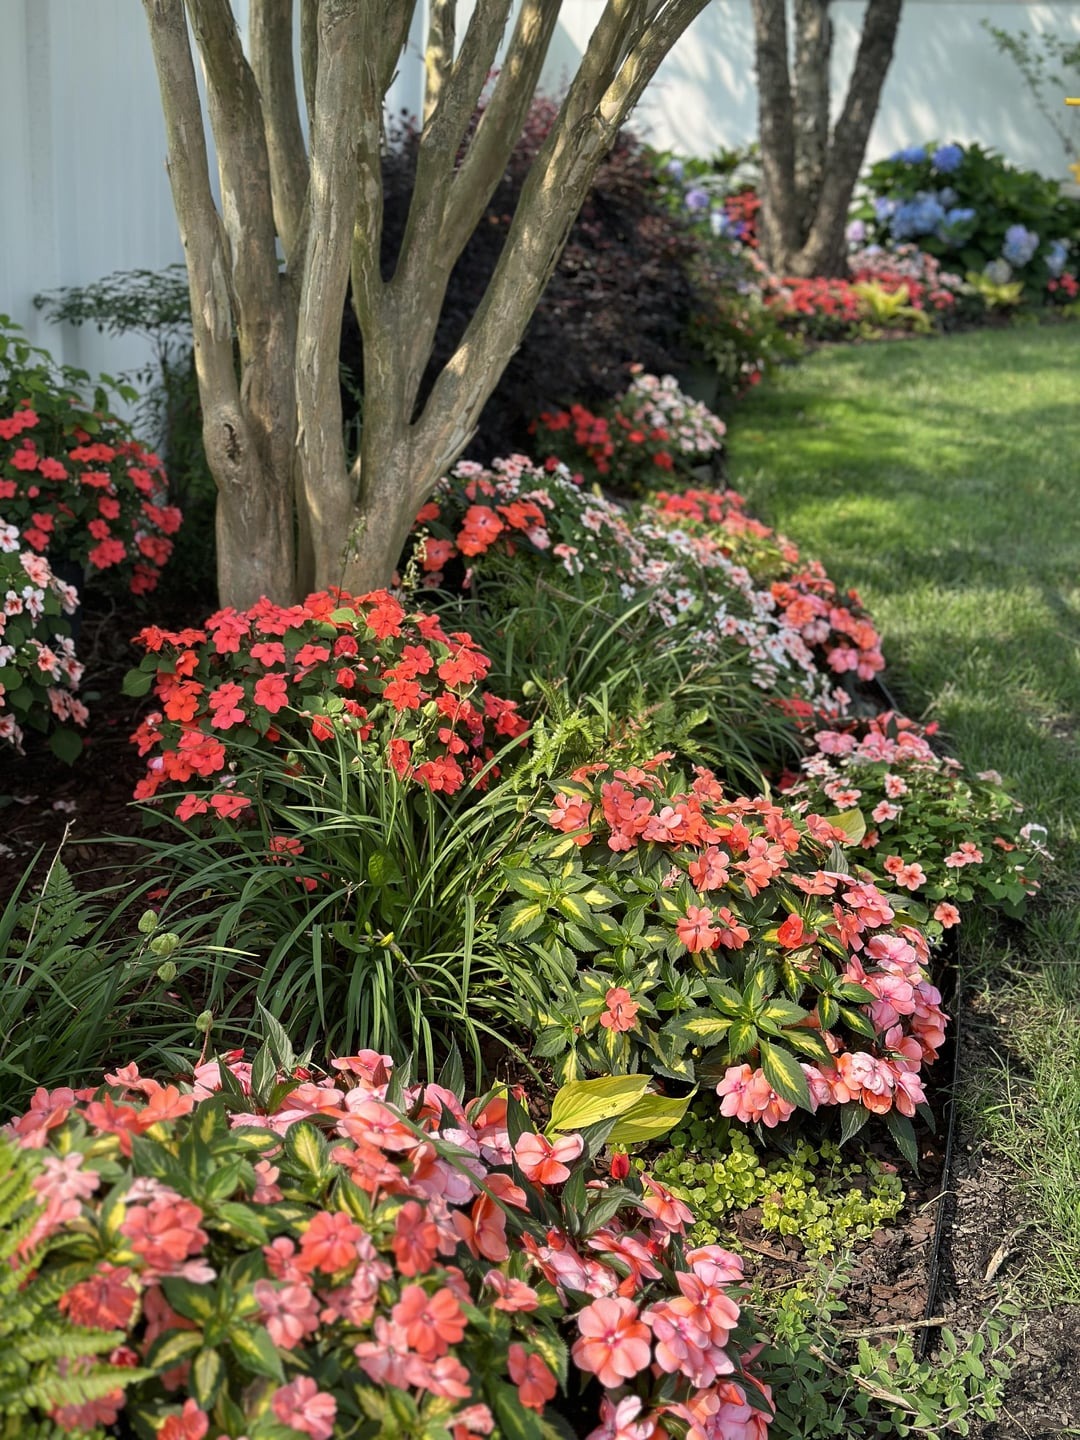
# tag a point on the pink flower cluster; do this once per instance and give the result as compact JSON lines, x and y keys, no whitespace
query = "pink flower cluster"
{"x":726,"y":854}
{"x":37,"y":656}
{"x":434,"y":1281}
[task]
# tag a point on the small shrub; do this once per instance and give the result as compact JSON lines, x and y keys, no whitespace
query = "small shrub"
{"x":77,"y":484}
{"x":968,"y":205}
{"x":651,"y":430}
{"x":278,"y":1253}
{"x":247,"y":681}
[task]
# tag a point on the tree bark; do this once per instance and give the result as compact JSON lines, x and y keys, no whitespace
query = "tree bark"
{"x":808,"y":177}
{"x":273,"y":435}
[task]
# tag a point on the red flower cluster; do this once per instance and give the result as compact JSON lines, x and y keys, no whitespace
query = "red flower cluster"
{"x":741,"y":210}
{"x":335,"y":664}
{"x":99,"y":499}
{"x":1064,"y":289}
{"x":921,"y":296}
{"x":819,"y":306}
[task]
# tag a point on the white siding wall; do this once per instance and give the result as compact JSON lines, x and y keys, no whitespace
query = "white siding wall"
{"x":83,"y":189}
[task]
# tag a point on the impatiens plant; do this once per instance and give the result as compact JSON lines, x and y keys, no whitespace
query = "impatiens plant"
{"x":816,"y":628}
{"x":243,"y":683}
{"x":74,"y":480}
{"x":281,"y":1254}
{"x":942,"y":835}
{"x":706,"y":569}
{"x":38,"y":670}
{"x":716,"y":939}
{"x":649,"y":432}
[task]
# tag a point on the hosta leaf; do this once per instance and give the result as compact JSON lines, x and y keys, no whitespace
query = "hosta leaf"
{"x":649,"y":1118}
{"x":587,"y":1102}
{"x":851,"y":822}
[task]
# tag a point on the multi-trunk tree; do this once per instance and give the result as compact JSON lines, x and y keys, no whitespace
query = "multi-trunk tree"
{"x":299,"y":227}
{"x":809,"y":168}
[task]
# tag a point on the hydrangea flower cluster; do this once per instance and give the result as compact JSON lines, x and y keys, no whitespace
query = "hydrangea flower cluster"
{"x":652,"y":427}
{"x":677,"y":552}
{"x":39,"y":673}
{"x":288,"y":1255}
{"x":696,"y":934}
{"x":936,"y":832}
{"x":85,"y":491}
{"x":1019,"y":246}
{"x":395,"y":683}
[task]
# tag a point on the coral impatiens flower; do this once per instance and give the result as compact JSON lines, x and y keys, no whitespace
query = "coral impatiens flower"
{"x":614,"y":1344}
{"x":621,"y":1010}
{"x":544,"y":1162}
{"x":536,"y":1384}
{"x":304,"y":1407}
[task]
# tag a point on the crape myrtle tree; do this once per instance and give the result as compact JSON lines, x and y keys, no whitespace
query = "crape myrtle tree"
{"x":808,"y":169}
{"x":299,"y":228}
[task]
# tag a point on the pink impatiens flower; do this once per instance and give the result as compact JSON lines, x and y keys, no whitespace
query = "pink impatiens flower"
{"x":543,"y":1162}
{"x":946,"y":915}
{"x":306,"y":1408}
{"x":621,"y":1011}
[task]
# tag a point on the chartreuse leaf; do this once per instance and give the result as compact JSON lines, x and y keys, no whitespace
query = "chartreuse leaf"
{"x":851,"y":822}
{"x":173,"y":1347}
{"x":527,"y":883}
{"x":587,"y":1102}
{"x":649,"y":1118}
{"x":742,"y":1037}
{"x":785,"y":1075}
{"x":194,"y":1302}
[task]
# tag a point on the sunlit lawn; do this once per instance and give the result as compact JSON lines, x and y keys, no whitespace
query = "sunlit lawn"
{"x":942,"y":479}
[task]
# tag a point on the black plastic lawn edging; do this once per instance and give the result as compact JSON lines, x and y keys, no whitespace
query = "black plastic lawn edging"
{"x":948,"y":982}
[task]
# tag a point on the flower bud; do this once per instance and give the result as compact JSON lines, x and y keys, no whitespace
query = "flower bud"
{"x":147,"y":922}
{"x":166,"y":972}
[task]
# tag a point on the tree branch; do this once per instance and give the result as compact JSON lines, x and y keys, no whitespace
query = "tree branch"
{"x":243,"y":163}
{"x":501,"y":123}
{"x":813,"y":49}
{"x":309,"y":56}
{"x":199,"y":223}
{"x":343,"y":88}
{"x":627,"y":45}
{"x":439,"y":53}
{"x":271,"y":29}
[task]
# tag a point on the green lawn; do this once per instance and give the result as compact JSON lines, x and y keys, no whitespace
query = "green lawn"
{"x":942,"y":479}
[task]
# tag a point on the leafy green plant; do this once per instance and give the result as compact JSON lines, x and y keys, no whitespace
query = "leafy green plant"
{"x":684,"y":933}
{"x":813,"y":1193}
{"x":831,"y":1380}
{"x":46,"y":1365}
{"x":81,"y":982}
{"x":996,"y":294}
{"x":1044,"y":61}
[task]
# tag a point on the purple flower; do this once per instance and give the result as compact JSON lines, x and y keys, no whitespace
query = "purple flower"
{"x":1020,"y":245}
{"x":697,"y":199}
{"x":856,"y":232}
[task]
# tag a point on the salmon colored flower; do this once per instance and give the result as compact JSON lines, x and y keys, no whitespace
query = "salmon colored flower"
{"x":544,"y":1163}
{"x":536,"y":1384}
{"x":164,"y":1232}
{"x":329,"y":1242}
{"x":104,"y":1301}
{"x":621,"y":1011}
{"x":947,"y":915}
{"x":304,"y":1407}
{"x":695,"y":929}
{"x":430,"y":1323}
{"x":614,"y":1344}
{"x":191,"y":1424}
